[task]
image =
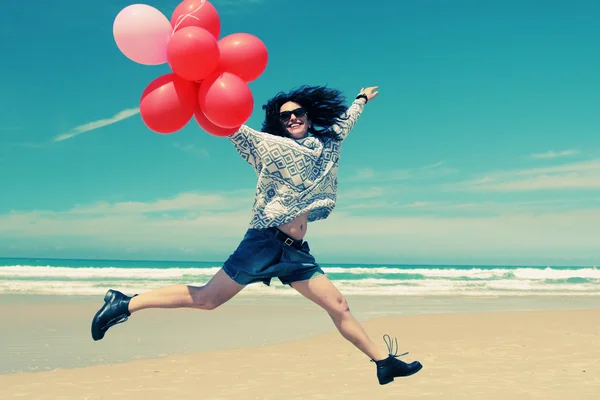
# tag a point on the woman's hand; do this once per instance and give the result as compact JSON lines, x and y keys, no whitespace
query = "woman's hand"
{"x":370,"y":92}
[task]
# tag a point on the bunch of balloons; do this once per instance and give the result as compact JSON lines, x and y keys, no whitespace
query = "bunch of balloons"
{"x":209,"y":78}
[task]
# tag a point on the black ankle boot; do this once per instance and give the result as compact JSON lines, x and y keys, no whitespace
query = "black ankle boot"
{"x":391,"y":367}
{"x":114,"y":311}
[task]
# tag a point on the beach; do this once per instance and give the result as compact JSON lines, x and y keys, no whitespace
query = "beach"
{"x":286,"y":348}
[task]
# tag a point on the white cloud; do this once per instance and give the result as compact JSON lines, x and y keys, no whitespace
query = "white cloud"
{"x":582,"y":166}
{"x":205,"y":223}
{"x":518,"y":236}
{"x":419,"y":204}
{"x":393,"y":207}
{"x":564,"y":181}
{"x":90,"y":126}
{"x":363,"y":174}
{"x":431,"y":171}
{"x":579,"y":175}
{"x":188,"y":220}
{"x":370,"y":192}
{"x":192,"y":149}
{"x":555,"y":154}
{"x":189,"y":202}
{"x":500,"y":208}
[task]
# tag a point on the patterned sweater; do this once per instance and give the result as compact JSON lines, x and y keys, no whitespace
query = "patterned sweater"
{"x":294,"y":176}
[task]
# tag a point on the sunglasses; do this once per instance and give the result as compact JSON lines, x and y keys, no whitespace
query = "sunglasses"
{"x":286,"y":115}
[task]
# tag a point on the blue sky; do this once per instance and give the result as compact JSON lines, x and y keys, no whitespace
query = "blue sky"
{"x":483,"y":146}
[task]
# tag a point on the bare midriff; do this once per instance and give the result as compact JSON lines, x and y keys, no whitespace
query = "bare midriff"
{"x":296,"y":228}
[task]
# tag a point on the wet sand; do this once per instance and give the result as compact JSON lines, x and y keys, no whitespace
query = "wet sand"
{"x":286,"y":347}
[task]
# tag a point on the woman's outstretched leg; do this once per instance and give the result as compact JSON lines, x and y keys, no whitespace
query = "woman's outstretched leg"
{"x":220,"y":289}
{"x":321,"y":291}
{"x":118,"y":307}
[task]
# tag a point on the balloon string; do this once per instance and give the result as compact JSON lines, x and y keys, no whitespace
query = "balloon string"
{"x":182,"y":17}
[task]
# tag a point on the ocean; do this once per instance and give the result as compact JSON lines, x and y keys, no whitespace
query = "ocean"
{"x":94,"y":277}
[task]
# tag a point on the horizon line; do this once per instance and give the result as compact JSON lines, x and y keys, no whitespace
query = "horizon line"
{"x":321,"y":263}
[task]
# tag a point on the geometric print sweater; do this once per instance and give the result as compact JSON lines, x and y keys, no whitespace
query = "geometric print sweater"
{"x":294,"y":175}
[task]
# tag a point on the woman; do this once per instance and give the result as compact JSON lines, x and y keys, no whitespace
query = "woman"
{"x":297,"y":184}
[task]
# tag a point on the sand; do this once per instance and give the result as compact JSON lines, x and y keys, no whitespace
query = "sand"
{"x":547,"y":354}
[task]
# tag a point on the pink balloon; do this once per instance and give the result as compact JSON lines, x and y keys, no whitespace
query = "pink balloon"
{"x":244,"y":55}
{"x":168,"y":103}
{"x":225,"y":99}
{"x":142,"y":34}
{"x":198,"y":13}
{"x":211,"y":128}
{"x":193,"y":53}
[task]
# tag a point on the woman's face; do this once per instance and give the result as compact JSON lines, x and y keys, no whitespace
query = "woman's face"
{"x":294,"y":119}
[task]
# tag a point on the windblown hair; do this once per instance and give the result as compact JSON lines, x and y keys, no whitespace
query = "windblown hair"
{"x":325,"y":107}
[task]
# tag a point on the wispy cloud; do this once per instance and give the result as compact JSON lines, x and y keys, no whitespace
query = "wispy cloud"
{"x":90,"y":126}
{"x":499,"y":208}
{"x":579,"y":175}
{"x":555,"y":154}
{"x":192,"y":203}
{"x":185,"y":218}
{"x":519,"y":236}
{"x":370,"y":192}
{"x":391,"y":206}
{"x":192,"y":149}
{"x":431,"y":171}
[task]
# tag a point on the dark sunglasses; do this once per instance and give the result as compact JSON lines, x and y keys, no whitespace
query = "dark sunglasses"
{"x":286,"y":115}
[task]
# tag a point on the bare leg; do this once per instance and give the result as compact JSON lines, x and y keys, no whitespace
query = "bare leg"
{"x":220,"y":289}
{"x":321,"y":291}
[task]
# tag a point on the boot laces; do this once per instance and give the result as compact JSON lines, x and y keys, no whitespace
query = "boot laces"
{"x":388,"y":341}
{"x":390,"y":346}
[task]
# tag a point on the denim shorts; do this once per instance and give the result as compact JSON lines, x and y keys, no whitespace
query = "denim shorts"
{"x":264,"y":254}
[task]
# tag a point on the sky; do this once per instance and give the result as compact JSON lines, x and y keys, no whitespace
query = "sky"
{"x":482,"y":147}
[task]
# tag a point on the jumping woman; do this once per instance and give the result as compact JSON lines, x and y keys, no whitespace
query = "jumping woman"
{"x":295,"y":156}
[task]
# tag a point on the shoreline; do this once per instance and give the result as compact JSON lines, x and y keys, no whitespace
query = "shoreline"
{"x":49,"y":332}
{"x":547,"y":354}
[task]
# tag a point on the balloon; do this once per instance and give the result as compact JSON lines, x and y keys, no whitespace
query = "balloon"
{"x":211,"y":128}
{"x":142,"y":33}
{"x":193,"y":53}
{"x":225,"y":99}
{"x":198,"y":13}
{"x":244,"y":55}
{"x":168,"y":103}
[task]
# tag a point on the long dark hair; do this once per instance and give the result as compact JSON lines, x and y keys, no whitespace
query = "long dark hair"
{"x":324,"y":107}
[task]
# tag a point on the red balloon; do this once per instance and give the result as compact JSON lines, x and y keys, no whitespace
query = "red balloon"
{"x":194,"y":13}
{"x":211,"y":128}
{"x":168,"y":103}
{"x":244,"y":55}
{"x":193,"y":53}
{"x":225,"y":99}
